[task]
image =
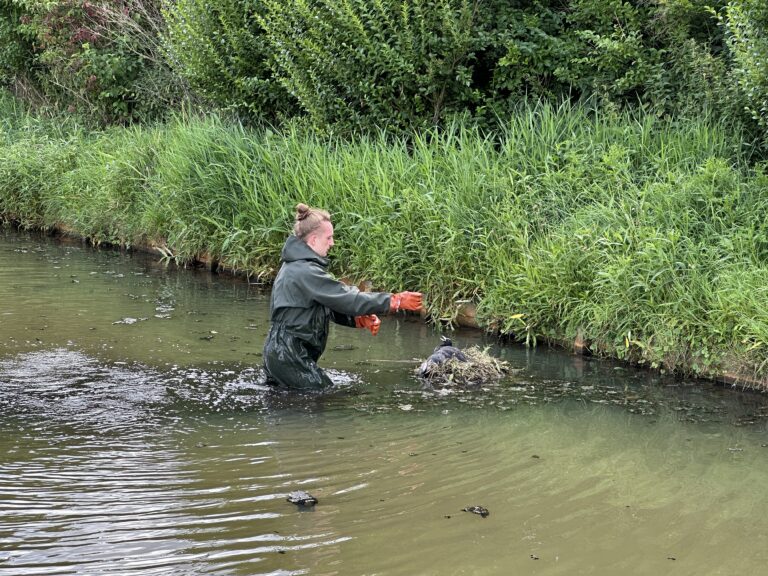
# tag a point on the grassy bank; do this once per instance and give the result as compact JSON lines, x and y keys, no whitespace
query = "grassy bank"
{"x":644,"y":237}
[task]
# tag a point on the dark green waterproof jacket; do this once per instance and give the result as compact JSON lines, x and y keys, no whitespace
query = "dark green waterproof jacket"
{"x":304,"y":300}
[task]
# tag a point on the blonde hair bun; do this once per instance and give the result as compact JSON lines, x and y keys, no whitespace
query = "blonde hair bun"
{"x":308,"y":219}
{"x":302,"y":211}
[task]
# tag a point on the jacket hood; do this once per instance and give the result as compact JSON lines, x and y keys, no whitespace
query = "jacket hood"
{"x":296,"y":249}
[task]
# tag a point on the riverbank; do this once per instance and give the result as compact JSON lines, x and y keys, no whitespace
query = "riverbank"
{"x":643,"y":239}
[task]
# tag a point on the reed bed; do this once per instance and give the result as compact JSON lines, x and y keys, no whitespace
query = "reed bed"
{"x":643,"y":236}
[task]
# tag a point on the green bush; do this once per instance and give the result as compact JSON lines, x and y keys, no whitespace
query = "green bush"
{"x":356,"y":63}
{"x":221,"y":50}
{"x":16,"y":47}
{"x":102,"y":60}
{"x":521,"y":50}
{"x":746,"y":22}
{"x":399,"y":64}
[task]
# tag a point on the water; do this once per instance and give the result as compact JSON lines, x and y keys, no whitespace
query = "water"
{"x":152,"y":447}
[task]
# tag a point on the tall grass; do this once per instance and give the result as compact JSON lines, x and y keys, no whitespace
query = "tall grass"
{"x":644,"y":236}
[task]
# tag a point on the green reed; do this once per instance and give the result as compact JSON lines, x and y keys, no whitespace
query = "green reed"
{"x":646,"y":237}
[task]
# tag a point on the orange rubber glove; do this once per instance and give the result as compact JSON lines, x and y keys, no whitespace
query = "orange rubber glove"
{"x":405,"y":301}
{"x":369,"y":321}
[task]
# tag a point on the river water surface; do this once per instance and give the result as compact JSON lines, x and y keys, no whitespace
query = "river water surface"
{"x":136,"y":438}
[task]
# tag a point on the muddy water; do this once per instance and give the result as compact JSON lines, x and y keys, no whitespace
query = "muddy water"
{"x":136,"y":438}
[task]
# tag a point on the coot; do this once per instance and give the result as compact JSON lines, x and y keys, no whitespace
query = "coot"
{"x":444,"y":352}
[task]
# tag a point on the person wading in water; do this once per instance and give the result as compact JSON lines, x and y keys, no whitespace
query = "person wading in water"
{"x":304,"y":300}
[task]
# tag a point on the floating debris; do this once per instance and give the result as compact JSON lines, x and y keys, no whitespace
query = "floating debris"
{"x":483,"y":512}
{"x":129,"y":320}
{"x":344,"y":347}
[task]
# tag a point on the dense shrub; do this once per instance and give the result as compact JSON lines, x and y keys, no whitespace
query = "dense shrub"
{"x":746,"y":22}
{"x":360,"y":63}
{"x":103,"y":60}
{"x":16,"y":48}
{"x":357,"y":64}
{"x":414,"y":63}
{"x":221,"y":50}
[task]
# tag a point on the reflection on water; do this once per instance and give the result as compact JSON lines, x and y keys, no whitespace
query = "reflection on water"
{"x":153,"y":447}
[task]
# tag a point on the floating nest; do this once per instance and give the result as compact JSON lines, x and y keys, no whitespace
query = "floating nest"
{"x":478,"y":368}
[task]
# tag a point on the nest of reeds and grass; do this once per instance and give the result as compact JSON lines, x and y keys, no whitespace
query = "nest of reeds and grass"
{"x":477,"y":368}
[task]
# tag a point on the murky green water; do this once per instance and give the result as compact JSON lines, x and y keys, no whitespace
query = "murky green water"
{"x":136,"y":438}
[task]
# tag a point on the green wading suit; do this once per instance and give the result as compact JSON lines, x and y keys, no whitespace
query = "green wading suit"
{"x":304,"y":299}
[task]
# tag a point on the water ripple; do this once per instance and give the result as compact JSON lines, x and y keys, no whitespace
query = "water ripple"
{"x":100,"y":475}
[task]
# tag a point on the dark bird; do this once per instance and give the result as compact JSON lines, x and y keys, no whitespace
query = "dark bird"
{"x":444,"y":352}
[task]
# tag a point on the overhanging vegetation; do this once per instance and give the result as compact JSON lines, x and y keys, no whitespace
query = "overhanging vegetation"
{"x":646,"y":237}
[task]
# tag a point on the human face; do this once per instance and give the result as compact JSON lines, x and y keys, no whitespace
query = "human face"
{"x":321,"y":239}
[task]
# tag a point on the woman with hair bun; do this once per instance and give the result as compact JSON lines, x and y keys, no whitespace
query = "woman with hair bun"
{"x":305,"y":298}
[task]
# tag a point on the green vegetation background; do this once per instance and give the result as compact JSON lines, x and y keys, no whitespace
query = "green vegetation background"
{"x":576,"y":168}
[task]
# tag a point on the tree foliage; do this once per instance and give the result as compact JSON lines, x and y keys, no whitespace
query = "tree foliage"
{"x":221,"y":50}
{"x":362,"y":63}
{"x":410,"y":63}
{"x":15,"y":46}
{"x":369,"y":64}
{"x":102,"y":59}
{"x":746,"y":22}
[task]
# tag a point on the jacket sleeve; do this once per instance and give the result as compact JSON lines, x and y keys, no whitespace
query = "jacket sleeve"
{"x":343,"y":299}
{"x":343,"y":319}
